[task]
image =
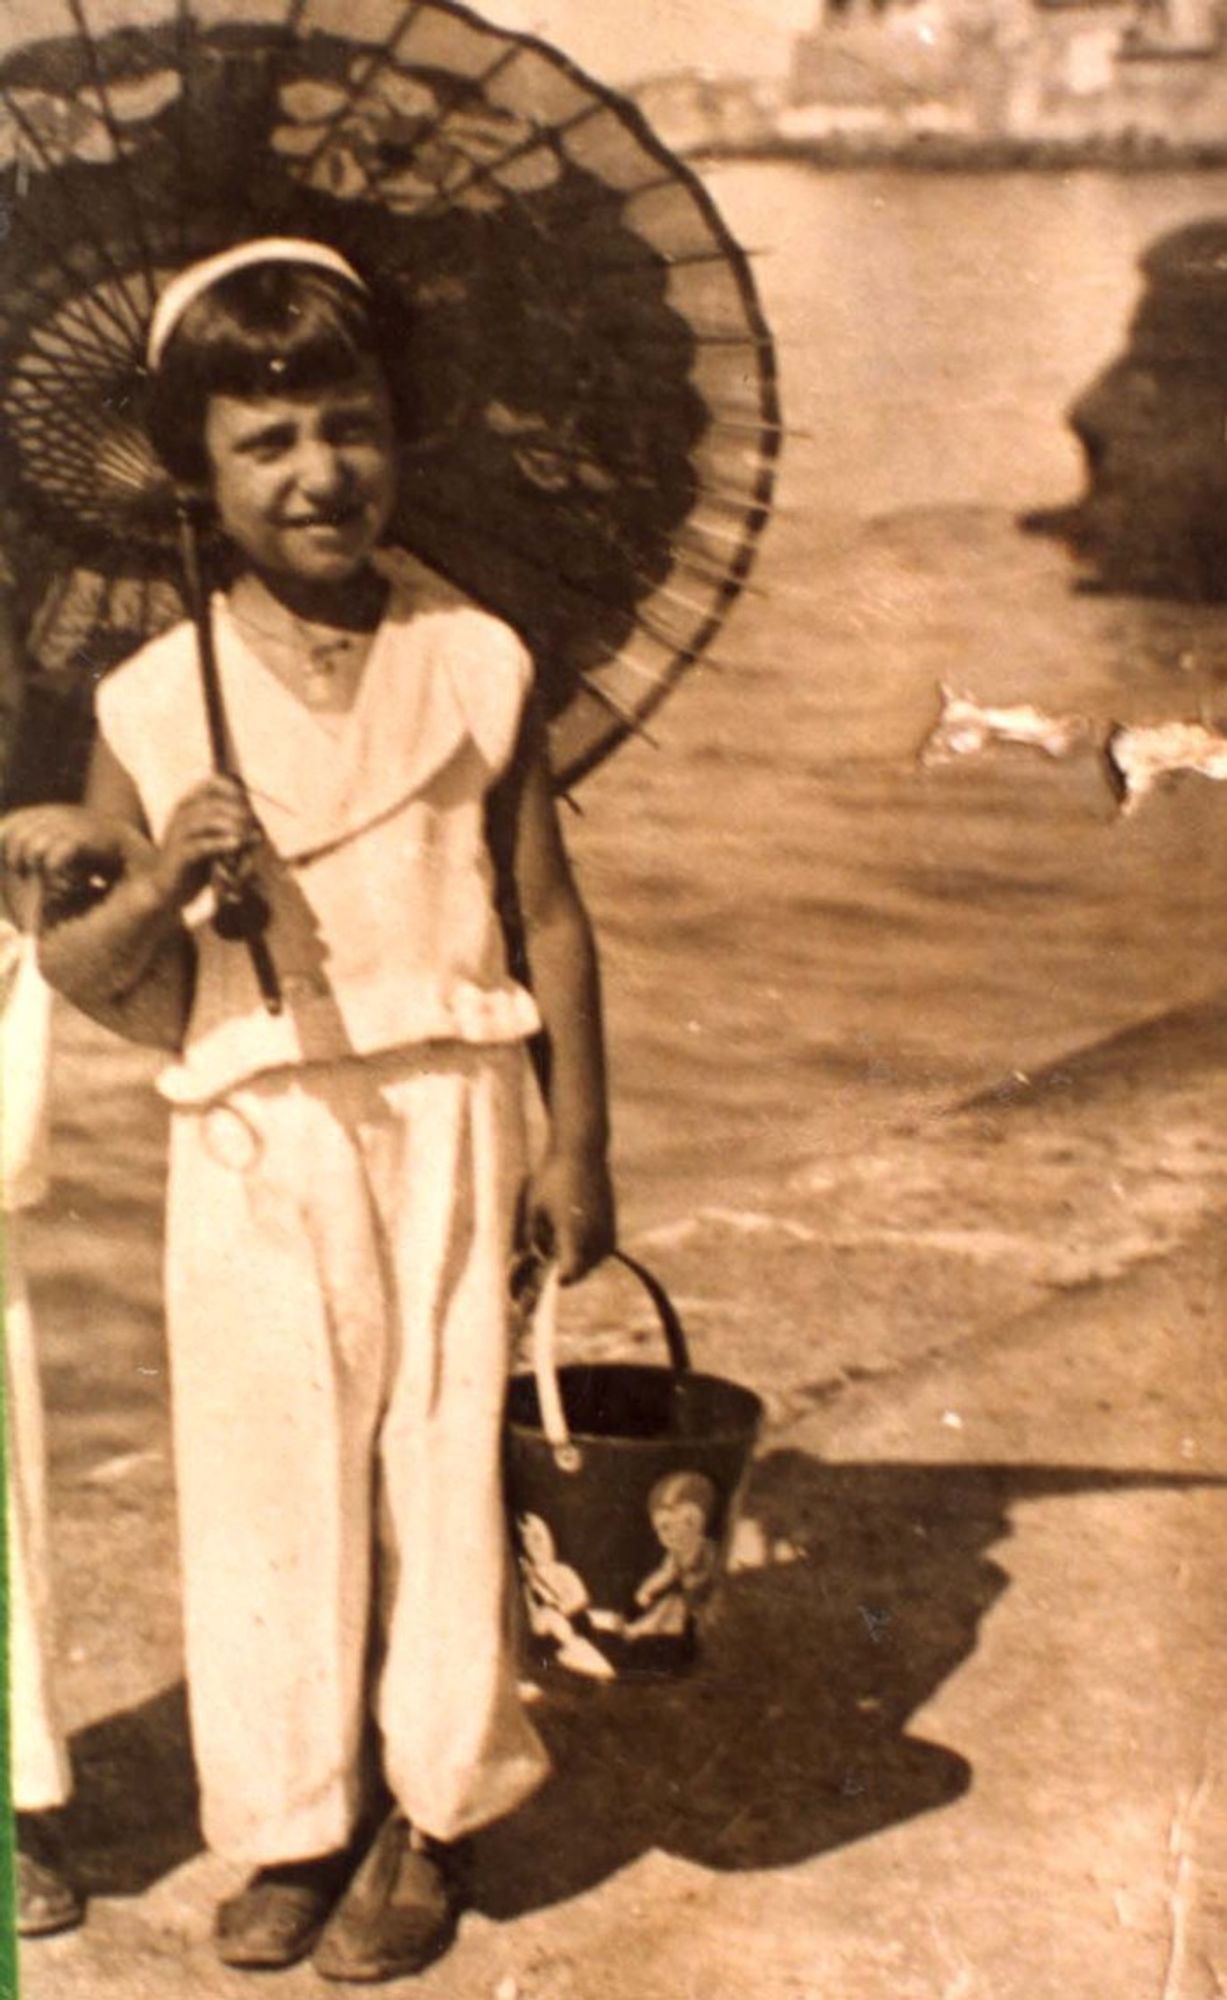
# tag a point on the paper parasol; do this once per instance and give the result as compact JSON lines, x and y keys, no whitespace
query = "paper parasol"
{"x":594,"y":381}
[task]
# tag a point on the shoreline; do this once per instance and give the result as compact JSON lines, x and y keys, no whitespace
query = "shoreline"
{"x":974,"y":155}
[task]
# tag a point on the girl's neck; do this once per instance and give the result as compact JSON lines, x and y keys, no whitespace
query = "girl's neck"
{"x":355,"y":605}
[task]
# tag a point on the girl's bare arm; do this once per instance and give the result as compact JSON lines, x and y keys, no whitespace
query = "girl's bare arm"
{"x":120,"y":951}
{"x":83,"y":881}
{"x":572,"y":1197}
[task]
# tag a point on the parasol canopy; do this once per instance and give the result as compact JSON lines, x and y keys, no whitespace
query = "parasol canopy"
{"x":592,"y":382}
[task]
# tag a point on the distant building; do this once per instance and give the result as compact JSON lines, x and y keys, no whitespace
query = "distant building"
{"x":1070,"y":73}
{"x":695,"y":113}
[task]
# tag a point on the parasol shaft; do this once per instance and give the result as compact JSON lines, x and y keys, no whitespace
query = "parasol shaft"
{"x":266,"y":972}
{"x":242,"y":913}
{"x":198,"y":605}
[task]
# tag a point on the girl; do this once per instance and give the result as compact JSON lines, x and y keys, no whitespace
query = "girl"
{"x":345,"y":1172}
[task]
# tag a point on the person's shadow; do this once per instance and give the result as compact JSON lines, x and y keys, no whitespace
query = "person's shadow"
{"x":133,"y":1815}
{"x":789,"y":1739}
{"x":1152,"y":518}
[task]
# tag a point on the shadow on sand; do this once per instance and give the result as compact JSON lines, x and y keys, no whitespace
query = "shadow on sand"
{"x":788,"y":1740}
{"x":791,"y":1737}
{"x":1167,"y":1050}
{"x":1150,"y":521}
{"x":133,"y":1814}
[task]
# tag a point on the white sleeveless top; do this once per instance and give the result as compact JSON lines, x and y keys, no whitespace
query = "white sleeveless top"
{"x":376,"y":867}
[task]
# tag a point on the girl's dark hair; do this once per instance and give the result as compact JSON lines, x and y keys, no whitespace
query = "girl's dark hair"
{"x":268,"y":330}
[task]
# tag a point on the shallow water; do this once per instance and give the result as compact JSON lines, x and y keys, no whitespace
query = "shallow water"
{"x":807,"y":938}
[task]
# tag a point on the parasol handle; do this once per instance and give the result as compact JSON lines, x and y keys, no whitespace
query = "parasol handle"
{"x":242,"y":914}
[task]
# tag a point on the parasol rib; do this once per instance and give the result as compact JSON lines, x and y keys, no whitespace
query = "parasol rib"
{"x":51,"y":415}
{"x":709,"y":532}
{"x":548,"y":566}
{"x":131,"y":331}
{"x":726,"y":588}
{"x":183,"y":43}
{"x":753,"y":340}
{"x":701,"y":574}
{"x":532,"y":559}
{"x":744,"y":424}
{"x":573,"y":210}
{"x":598,"y":399}
{"x":626,"y":716}
{"x":753,"y":510}
{"x":684,"y":650}
{"x":377,"y":179}
{"x":77,"y":9}
{"x":65,"y":370}
{"x":712,"y":413}
{"x":465,"y":87}
{"x":377,"y":60}
{"x":608,"y":271}
{"x":624,"y":664}
{"x":489,"y":169}
{"x":107,"y":597}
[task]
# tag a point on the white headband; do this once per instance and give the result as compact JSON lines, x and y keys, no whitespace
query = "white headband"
{"x":187,"y":286}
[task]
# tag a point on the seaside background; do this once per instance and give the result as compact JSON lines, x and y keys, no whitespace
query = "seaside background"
{"x":900,"y":1056}
{"x":810,"y":942}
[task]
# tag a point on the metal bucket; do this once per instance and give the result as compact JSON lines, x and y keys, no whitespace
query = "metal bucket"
{"x":622,"y":1485}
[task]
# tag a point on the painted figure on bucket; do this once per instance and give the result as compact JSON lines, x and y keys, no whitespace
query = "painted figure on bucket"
{"x":682,"y":1506}
{"x":557,"y":1600}
{"x":336,"y":1287}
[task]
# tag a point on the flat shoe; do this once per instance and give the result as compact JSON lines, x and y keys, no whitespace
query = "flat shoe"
{"x":47,"y":1901}
{"x":399,"y":1913}
{"x":277,"y":1916}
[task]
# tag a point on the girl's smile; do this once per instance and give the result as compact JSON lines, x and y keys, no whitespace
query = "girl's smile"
{"x":304,"y":483}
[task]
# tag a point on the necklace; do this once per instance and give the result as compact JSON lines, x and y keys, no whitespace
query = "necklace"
{"x":320,"y":655}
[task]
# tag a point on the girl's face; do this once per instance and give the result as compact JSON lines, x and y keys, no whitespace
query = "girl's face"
{"x":304,"y":484}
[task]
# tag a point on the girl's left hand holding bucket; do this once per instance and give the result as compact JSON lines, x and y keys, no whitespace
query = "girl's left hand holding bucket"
{"x":571,"y":1211}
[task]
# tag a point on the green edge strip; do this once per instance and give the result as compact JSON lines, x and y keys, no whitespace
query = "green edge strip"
{"x":8,"y":1898}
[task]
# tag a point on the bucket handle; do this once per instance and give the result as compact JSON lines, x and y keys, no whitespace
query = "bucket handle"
{"x":567,"y":1455}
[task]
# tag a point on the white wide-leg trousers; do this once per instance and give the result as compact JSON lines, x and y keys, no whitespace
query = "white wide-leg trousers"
{"x":338,"y":1239}
{"x":40,"y":1777}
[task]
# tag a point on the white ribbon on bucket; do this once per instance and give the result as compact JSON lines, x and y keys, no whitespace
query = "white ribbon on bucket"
{"x":567,"y":1454}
